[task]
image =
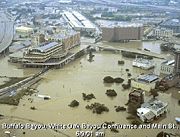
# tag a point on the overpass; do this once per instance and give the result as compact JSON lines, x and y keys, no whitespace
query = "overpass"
{"x":6,"y":31}
{"x":141,"y":52}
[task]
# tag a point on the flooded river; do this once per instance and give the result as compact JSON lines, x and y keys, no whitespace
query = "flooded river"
{"x":67,"y":84}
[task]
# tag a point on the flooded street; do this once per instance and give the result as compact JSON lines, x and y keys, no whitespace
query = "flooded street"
{"x":82,"y":76}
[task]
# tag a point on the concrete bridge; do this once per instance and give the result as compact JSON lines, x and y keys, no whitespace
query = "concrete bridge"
{"x":141,"y":52}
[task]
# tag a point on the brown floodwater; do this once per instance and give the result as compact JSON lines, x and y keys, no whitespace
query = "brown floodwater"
{"x":67,"y":84}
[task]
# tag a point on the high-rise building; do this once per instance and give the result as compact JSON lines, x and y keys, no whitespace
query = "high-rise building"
{"x":177,"y":62}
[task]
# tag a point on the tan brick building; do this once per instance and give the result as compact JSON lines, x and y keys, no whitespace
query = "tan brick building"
{"x":122,"y":32}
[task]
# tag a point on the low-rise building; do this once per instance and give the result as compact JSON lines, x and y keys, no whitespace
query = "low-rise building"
{"x":24,"y":32}
{"x":78,"y":22}
{"x":151,"y":110}
{"x":162,"y":32}
{"x":167,"y":67}
{"x":143,"y":63}
{"x":145,"y":82}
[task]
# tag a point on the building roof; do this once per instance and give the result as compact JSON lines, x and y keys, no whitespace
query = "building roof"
{"x":78,"y":20}
{"x":146,"y":112}
{"x":24,"y":29}
{"x":44,"y":48}
{"x":154,"y":104}
{"x":169,"y":62}
{"x":149,"y":78}
{"x":123,"y":25}
{"x":64,"y":35}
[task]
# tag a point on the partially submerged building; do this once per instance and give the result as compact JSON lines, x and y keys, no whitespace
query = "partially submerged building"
{"x":167,"y":67}
{"x":145,"y":82}
{"x":44,"y":52}
{"x":173,"y":79}
{"x":122,"y":32}
{"x":151,"y":110}
{"x":143,"y":63}
{"x":162,"y":32}
{"x":136,"y":98}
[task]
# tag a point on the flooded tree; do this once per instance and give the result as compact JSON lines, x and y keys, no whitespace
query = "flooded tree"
{"x":154,"y":93}
{"x":74,"y":103}
{"x":88,"y":96}
{"x":111,"y":93}
{"x":108,"y":79}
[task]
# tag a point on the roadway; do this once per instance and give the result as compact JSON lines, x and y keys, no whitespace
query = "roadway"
{"x":117,"y":4}
{"x":142,"y":52}
{"x":6,"y":31}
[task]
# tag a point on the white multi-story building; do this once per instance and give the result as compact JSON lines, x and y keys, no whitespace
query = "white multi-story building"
{"x":167,"y":67}
{"x":151,"y":109}
{"x":162,"y":32}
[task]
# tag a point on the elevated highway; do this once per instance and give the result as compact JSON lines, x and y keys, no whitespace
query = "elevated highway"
{"x":6,"y":31}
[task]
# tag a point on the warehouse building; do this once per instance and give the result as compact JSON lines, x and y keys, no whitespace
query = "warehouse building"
{"x":78,"y":22}
{"x":122,"y":32}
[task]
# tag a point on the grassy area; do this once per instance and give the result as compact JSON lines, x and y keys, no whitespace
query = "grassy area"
{"x":11,"y":81}
{"x":14,"y":100}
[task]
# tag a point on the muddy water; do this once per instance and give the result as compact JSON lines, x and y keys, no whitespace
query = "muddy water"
{"x":64,"y":85}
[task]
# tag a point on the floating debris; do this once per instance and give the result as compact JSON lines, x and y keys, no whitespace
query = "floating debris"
{"x":129,"y":74}
{"x":114,"y":130}
{"x":33,"y":108}
{"x":119,"y":108}
{"x":136,"y":122}
{"x":74,"y":103}
{"x":131,"y":117}
{"x":121,"y":62}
